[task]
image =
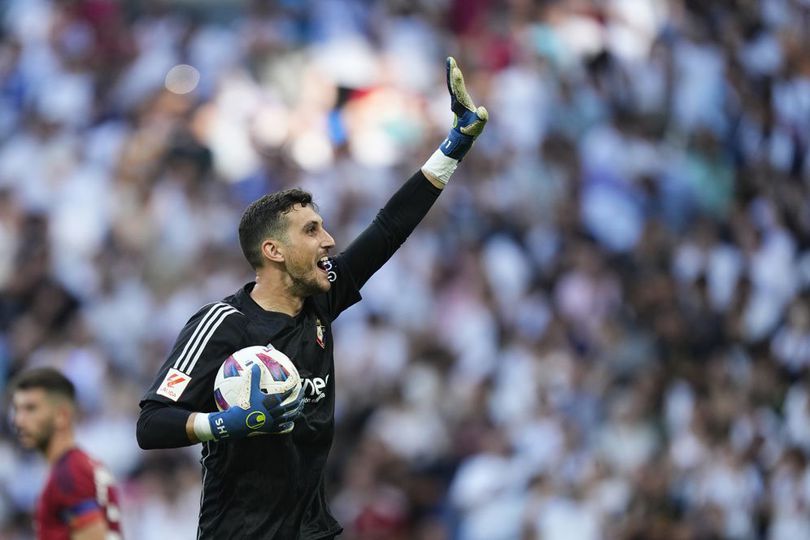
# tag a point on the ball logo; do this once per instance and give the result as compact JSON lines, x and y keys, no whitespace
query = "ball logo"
{"x":277,"y":371}
{"x":231,"y":368}
{"x":255,"y":420}
{"x":222,"y":404}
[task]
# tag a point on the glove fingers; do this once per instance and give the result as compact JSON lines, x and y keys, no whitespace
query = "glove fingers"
{"x":254,"y":386}
{"x":289,"y":416}
{"x":273,"y":401}
{"x":460,"y":100}
{"x":291,"y":407}
{"x":475,"y":128}
{"x":450,"y":63}
{"x":255,"y":377}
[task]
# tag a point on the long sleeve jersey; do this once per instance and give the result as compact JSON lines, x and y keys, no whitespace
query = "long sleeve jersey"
{"x":272,"y":487}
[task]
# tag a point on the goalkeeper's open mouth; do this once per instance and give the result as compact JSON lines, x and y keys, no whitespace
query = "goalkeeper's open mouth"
{"x":324,"y":264}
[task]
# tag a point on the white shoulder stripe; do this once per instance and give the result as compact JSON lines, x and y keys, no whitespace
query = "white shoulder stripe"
{"x":211,"y":311}
{"x":208,"y":323}
{"x":221,"y":317}
{"x":202,"y":338}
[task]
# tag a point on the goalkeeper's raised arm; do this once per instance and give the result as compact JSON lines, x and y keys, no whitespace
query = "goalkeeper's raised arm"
{"x":411,"y":202}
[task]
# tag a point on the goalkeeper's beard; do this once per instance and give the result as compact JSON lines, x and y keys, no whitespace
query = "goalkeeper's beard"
{"x":308,"y":283}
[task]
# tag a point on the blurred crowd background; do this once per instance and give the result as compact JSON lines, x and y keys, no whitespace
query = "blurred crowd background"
{"x":601,"y":331}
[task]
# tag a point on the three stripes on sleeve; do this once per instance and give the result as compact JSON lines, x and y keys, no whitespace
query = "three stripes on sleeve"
{"x":179,"y":375}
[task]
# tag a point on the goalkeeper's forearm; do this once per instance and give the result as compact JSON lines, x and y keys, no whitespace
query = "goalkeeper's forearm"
{"x":392,"y":226}
{"x":163,"y":426}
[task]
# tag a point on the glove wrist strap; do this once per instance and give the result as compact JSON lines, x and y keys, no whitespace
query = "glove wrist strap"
{"x":202,"y":427}
{"x":456,"y":144}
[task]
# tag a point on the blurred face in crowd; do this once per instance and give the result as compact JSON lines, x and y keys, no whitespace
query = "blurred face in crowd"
{"x":305,"y":249}
{"x":37,"y":416}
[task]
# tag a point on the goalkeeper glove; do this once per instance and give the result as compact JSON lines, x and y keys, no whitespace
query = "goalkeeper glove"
{"x":468,"y":123}
{"x":260,"y":414}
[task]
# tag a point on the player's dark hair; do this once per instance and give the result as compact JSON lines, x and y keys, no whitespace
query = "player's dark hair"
{"x":265,"y":218}
{"x":46,"y":378}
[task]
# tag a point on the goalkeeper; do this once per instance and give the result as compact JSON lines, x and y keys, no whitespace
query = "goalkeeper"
{"x":272,"y":486}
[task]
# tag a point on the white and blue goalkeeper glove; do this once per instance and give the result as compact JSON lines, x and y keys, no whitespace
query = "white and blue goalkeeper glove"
{"x":261,"y":414}
{"x":468,"y":123}
{"x":468,"y":120}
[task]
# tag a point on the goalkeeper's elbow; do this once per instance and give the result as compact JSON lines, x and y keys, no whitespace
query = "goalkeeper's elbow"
{"x":161,"y":426}
{"x":145,"y":440}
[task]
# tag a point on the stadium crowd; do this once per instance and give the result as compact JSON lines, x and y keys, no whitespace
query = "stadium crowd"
{"x":602,"y":330}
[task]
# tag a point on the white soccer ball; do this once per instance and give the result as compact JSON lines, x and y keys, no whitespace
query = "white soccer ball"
{"x":278,"y":374}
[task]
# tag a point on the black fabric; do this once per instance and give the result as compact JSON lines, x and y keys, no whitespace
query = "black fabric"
{"x":272,"y":487}
{"x":392,"y":226}
{"x":162,"y":426}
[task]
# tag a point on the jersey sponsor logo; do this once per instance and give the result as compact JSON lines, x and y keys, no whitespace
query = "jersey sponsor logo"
{"x":277,"y":371}
{"x":173,"y":385}
{"x":202,"y":334}
{"x":314,"y":389}
{"x":320,"y":331}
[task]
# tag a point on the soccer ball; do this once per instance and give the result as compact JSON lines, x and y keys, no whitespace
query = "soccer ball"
{"x":232,"y":384}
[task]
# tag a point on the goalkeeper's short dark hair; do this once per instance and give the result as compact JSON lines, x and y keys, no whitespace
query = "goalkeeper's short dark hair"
{"x":51,"y":380}
{"x":265,"y":218}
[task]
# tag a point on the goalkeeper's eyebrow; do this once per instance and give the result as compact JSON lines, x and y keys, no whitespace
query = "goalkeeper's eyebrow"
{"x":312,"y":225}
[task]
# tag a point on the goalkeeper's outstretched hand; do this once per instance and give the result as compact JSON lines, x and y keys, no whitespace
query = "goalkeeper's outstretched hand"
{"x":468,"y":120}
{"x":468,"y":123}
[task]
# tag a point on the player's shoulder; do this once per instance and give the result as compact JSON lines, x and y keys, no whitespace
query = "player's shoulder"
{"x":225,"y":307}
{"x":223,"y":314}
{"x":73,"y":467}
{"x":73,"y":459}
{"x":218,"y":322}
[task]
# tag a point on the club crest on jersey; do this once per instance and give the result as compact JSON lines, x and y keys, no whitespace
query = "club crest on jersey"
{"x":173,"y":385}
{"x":320,"y":330}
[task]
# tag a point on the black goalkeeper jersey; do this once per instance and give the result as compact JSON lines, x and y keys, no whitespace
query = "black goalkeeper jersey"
{"x":272,"y":486}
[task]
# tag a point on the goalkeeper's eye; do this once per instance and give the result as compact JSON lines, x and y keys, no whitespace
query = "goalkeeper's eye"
{"x":311,"y":228}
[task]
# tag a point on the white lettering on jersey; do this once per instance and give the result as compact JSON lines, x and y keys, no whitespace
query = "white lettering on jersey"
{"x":173,"y":385}
{"x":313,"y":389}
